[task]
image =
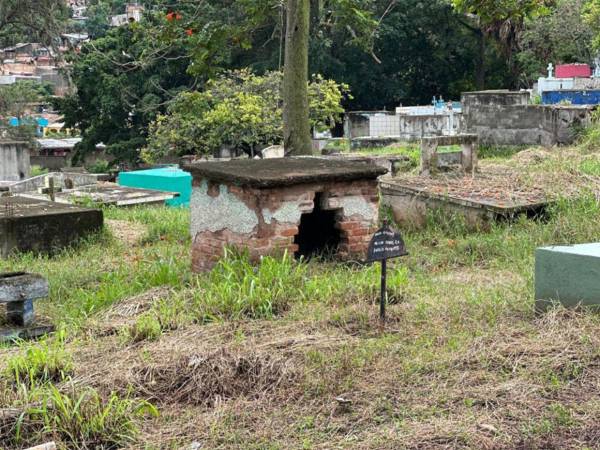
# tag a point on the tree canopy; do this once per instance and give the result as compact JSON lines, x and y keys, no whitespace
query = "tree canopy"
{"x":389,"y":52}
{"x":31,"y":20}
{"x":239,"y":110}
{"x":121,"y":88}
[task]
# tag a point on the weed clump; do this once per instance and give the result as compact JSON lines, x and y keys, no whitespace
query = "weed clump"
{"x":78,"y":419}
{"x":147,"y":327}
{"x":39,"y":363}
{"x":237,"y":289}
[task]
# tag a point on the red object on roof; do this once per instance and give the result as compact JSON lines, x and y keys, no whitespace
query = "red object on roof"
{"x":573,"y":71}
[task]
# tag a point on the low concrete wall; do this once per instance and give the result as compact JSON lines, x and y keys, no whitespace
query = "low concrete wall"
{"x":14,"y":161}
{"x":495,"y":98}
{"x":552,"y":84}
{"x":586,"y":83}
{"x":62,"y":162}
{"x":50,"y":162}
{"x":429,"y":125}
{"x":505,"y":118}
{"x":382,"y":125}
{"x":76,"y":180}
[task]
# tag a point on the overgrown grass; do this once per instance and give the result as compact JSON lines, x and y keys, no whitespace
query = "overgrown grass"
{"x":499,"y":152}
{"x":102,"y":270}
{"x":462,"y":347}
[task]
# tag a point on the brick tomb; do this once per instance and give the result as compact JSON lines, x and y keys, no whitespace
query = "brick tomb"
{"x":305,"y":206}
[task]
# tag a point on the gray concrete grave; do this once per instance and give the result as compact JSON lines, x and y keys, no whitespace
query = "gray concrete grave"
{"x":18,"y":291}
{"x":28,"y":225}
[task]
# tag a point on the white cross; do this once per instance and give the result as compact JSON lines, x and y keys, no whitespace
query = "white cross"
{"x":550,"y":71}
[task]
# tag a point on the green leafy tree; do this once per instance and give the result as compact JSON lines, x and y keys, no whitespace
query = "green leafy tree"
{"x":31,"y":21}
{"x":120,"y":89}
{"x":126,"y":78}
{"x":98,"y":20}
{"x":558,"y":37}
{"x":423,"y":50}
{"x":591,"y":16}
{"x":502,"y":21}
{"x":239,"y":110}
{"x":17,"y":101}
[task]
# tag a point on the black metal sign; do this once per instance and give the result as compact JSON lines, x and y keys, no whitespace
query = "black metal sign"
{"x":385,"y":244}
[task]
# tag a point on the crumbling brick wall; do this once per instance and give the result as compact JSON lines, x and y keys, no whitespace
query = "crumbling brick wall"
{"x":266,"y":221}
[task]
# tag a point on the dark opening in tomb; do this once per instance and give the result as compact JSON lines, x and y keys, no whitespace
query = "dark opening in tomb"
{"x":318,"y":235}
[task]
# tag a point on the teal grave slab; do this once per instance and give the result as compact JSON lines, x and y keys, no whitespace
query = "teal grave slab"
{"x":170,"y":179}
{"x":569,"y":275}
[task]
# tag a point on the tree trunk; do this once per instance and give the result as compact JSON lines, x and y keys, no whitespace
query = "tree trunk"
{"x":296,"y":124}
{"x":480,"y":77}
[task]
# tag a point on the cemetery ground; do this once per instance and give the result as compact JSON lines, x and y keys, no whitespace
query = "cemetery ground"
{"x":290,"y":355}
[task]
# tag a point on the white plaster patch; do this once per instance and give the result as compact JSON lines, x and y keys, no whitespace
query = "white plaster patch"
{"x":218,"y":213}
{"x":289,"y":213}
{"x":358,"y":206}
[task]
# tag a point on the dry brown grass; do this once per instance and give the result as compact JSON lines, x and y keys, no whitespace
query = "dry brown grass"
{"x":529,"y":383}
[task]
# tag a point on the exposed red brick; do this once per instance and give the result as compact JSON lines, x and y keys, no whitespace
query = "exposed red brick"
{"x":289,"y":232}
{"x":275,"y":238}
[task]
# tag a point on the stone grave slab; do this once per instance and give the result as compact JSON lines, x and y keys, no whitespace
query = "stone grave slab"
{"x":107,"y":194}
{"x":29,"y":225}
{"x":569,"y":275}
{"x":480,"y":200}
{"x":282,"y":172}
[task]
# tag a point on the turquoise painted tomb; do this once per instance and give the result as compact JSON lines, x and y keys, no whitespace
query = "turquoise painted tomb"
{"x":170,"y":179}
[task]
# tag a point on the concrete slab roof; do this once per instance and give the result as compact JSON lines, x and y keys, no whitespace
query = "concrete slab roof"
{"x":17,"y":206}
{"x":281,"y":172}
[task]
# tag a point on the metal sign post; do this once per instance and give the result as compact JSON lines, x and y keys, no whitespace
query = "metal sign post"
{"x":385,"y":244}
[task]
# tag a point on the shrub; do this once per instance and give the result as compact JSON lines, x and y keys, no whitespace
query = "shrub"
{"x":37,"y":171}
{"x":100,"y":166}
{"x":589,"y":137}
{"x":146,"y":328}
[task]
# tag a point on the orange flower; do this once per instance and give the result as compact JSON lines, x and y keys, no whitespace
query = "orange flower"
{"x":189,"y":31}
{"x":170,"y":16}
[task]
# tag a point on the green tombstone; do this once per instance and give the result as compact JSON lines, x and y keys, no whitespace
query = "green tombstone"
{"x":569,"y":275}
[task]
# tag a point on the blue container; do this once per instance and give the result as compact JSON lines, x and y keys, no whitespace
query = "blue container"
{"x":574,"y":97}
{"x":171,"y":179}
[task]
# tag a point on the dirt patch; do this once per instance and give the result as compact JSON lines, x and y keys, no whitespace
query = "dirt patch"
{"x":130,"y":233}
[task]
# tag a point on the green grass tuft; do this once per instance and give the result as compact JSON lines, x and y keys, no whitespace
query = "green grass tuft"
{"x":39,"y":363}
